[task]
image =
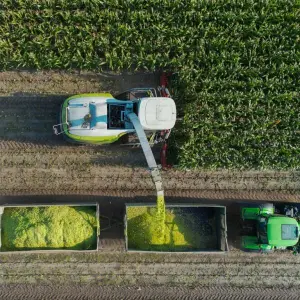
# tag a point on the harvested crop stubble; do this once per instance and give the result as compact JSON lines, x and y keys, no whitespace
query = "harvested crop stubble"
{"x":182,"y":231}
{"x":53,"y":227}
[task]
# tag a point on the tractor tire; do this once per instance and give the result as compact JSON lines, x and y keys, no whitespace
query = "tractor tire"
{"x":267,"y":205}
{"x":268,"y":251}
{"x":255,"y":204}
{"x":257,"y":251}
{"x":251,"y":250}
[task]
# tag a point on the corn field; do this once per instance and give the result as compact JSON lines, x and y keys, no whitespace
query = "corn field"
{"x":237,"y":65}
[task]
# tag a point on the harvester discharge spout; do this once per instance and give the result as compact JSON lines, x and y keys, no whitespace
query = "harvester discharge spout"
{"x":155,"y":173}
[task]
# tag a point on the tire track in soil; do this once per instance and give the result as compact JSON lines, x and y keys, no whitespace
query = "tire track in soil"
{"x":70,"y":83}
{"x":121,"y":279}
{"x":286,"y":196}
{"x":82,"y":292}
{"x":203,"y":274}
{"x":238,"y":274}
{"x":277,"y":270}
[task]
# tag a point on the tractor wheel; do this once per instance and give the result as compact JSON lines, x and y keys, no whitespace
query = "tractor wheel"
{"x":252,"y":250}
{"x":268,"y":251}
{"x":255,"y":204}
{"x":267,"y":205}
{"x":257,"y":251}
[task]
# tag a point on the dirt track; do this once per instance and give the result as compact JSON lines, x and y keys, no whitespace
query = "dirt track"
{"x":235,"y":269}
{"x":34,"y":161}
{"x":88,"y":292}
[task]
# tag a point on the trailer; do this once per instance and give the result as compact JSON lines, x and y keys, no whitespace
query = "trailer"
{"x":50,"y":227}
{"x":188,"y":228}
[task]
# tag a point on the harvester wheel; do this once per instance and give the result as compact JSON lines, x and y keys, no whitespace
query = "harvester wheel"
{"x":124,"y":139}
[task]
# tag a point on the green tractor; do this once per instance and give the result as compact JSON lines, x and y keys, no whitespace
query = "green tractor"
{"x":266,"y":228}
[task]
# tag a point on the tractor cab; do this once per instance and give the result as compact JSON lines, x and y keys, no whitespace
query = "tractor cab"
{"x":278,"y":231}
{"x":269,"y":231}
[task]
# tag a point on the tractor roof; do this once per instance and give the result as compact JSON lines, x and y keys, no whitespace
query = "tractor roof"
{"x":282,"y":231}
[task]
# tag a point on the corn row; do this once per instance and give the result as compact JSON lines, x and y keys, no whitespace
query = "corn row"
{"x":237,"y":61}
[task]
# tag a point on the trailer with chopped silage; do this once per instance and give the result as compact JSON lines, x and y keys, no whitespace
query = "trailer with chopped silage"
{"x":187,"y":228}
{"x":50,"y":227}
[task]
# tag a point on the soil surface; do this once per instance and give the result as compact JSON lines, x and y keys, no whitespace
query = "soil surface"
{"x":91,"y":292}
{"x":234,"y":270}
{"x":36,"y":162}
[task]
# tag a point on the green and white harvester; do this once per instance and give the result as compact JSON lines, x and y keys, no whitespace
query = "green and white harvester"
{"x":267,"y":228}
{"x":104,"y":119}
{"x":139,"y":116}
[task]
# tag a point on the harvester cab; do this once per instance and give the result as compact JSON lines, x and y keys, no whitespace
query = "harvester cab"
{"x":265,"y":230}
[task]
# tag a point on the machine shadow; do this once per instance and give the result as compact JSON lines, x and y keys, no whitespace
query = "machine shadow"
{"x":27,"y":122}
{"x":28,"y":118}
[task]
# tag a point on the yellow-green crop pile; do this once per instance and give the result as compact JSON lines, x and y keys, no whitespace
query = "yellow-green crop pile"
{"x":53,"y":227}
{"x":182,"y":231}
{"x":160,"y":216}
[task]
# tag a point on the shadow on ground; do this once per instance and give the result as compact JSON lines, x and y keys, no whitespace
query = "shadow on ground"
{"x":27,"y":118}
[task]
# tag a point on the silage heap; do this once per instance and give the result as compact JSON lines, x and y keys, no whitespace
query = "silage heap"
{"x":152,"y":228}
{"x":52,"y":227}
{"x":146,"y":226}
{"x":183,"y":228}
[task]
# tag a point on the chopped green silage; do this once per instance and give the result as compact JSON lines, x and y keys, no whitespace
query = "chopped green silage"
{"x":52,"y":227}
{"x":183,"y":231}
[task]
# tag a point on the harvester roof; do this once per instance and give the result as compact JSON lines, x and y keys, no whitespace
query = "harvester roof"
{"x":157,"y":113}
